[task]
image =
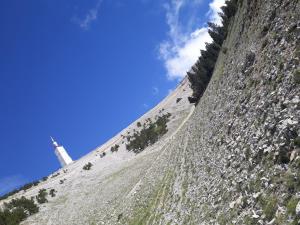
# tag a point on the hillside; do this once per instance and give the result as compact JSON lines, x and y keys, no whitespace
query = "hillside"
{"x":89,"y":196}
{"x":232,"y":159}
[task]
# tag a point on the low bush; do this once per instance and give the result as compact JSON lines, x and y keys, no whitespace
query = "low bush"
{"x":87,"y":166}
{"x":178,"y":100}
{"x":55,"y":175}
{"x":114,"y":148}
{"x":52,"y":193}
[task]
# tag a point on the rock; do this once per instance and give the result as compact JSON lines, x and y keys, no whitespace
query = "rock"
{"x":256,"y":195}
{"x":298,"y":209}
{"x":271,"y":222}
{"x":232,"y":204}
{"x":239,"y":201}
{"x":255,"y":216}
{"x":295,"y":100}
{"x":293,"y":155}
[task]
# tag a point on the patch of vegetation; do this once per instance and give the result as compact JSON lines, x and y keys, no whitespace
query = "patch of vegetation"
{"x":200,"y":74}
{"x":150,"y":134}
{"x":248,"y":220}
{"x":120,"y":216}
{"x":247,"y":153}
{"x":114,"y":148}
{"x":102,"y":154}
{"x":222,"y":220}
{"x":283,"y":156}
{"x":87,"y":166}
{"x":265,"y":30}
{"x":138,"y":124}
{"x":297,"y":76}
{"x":269,"y":206}
{"x":297,"y":141}
{"x":146,"y":210}
{"x":291,"y":181}
{"x":17,"y":210}
{"x":291,"y":206}
{"x":41,"y":198}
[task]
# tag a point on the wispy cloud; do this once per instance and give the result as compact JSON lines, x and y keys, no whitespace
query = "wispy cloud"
{"x":145,"y":105}
{"x":185,"y":40}
{"x":91,"y":16}
{"x":155,"y":90}
{"x":9,"y":183}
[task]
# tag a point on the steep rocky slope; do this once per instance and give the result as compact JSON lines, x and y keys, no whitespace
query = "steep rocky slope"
{"x":233,"y":160}
{"x":236,"y":160}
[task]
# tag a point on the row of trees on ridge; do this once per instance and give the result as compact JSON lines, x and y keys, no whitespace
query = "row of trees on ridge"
{"x":200,"y":74}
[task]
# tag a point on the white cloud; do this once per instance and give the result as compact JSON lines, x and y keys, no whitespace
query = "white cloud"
{"x":183,"y":46}
{"x":91,"y":16}
{"x":186,"y":55}
{"x":215,"y":8}
{"x":9,"y":183}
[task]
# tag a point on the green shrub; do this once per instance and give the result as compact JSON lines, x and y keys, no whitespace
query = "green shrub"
{"x":52,"y":193}
{"x":42,"y":196}
{"x":87,"y":166}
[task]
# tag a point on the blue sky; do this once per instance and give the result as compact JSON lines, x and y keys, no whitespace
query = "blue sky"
{"x":83,"y":70}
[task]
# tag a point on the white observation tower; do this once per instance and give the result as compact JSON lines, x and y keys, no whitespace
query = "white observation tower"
{"x":61,"y":154}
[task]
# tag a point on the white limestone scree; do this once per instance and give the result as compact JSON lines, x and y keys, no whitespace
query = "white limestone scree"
{"x":61,"y":154}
